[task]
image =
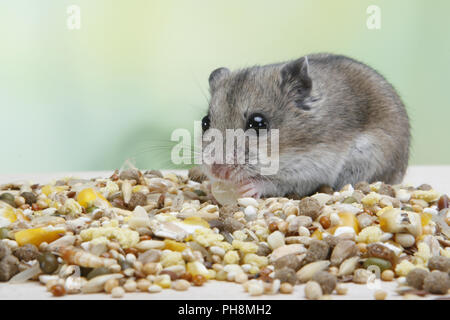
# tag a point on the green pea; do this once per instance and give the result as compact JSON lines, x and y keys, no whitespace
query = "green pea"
{"x":98,"y":272}
{"x":8,"y":198}
{"x":380,"y":263}
{"x":407,"y":208}
{"x":4,"y":233}
{"x":48,"y":262}
{"x":349,"y":200}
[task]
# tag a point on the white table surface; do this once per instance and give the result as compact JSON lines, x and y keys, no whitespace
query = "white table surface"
{"x":437,"y":176}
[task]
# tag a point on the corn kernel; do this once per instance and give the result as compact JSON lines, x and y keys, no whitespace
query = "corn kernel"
{"x":38,"y":235}
{"x":174,"y":245}
{"x":348,"y":219}
{"x":198,"y":268}
{"x":86,"y":197}
{"x":317,"y":235}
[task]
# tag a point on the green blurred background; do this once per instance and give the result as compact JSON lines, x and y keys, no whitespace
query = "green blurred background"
{"x":88,"y":99}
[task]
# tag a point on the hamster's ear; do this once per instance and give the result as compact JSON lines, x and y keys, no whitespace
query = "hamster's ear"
{"x":294,"y":75}
{"x":216,"y":76}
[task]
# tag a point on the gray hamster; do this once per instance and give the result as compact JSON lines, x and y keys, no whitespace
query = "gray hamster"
{"x":339,"y":122}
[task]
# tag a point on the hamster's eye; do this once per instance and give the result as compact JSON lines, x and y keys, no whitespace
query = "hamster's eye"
{"x":205,"y":123}
{"x":257,"y":121}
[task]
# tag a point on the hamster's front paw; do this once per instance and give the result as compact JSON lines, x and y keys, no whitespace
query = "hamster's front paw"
{"x":249,"y":189}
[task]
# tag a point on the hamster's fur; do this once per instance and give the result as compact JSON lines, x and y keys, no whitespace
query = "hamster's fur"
{"x":339,"y":122}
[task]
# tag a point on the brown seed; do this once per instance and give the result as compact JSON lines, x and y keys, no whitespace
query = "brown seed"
{"x":309,"y":207}
{"x":286,"y":275}
{"x":58,"y":290}
{"x":273,"y":226}
{"x":186,"y":276}
{"x":325,"y":222}
{"x":377,"y":250}
{"x":265,"y":272}
{"x":132,"y":251}
{"x":387,"y":190}
{"x":440,"y":263}
{"x":380,"y":295}
{"x":198,"y":280}
{"x":327,"y":281}
{"x":145,"y":237}
{"x":443,"y":202}
{"x":416,"y":277}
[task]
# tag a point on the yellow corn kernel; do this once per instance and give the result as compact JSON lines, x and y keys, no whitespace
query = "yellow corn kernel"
{"x":9,"y":214}
{"x":198,"y":268}
{"x":387,"y":208}
{"x":425,"y":218}
{"x":47,"y":189}
{"x":38,"y":235}
{"x":317,"y":235}
{"x":348,"y":219}
{"x":174,"y":245}
{"x":163,"y":281}
{"x":87,"y":196}
{"x":196,"y":221}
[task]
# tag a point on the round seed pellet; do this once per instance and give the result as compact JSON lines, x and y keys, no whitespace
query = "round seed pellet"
{"x":255,"y":289}
{"x":286,"y":288}
{"x":241,"y":277}
{"x":130,"y":286}
{"x":143,"y":284}
{"x":181,"y":285}
{"x":58,"y":290}
{"x":380,"y":295}
{"x":341,"y":290}
{"x":154,"y":288}
{"x":117,"y":292}
{"x":387,"y":275}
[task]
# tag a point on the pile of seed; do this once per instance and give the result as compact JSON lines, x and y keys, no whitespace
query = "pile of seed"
{"x":145,"y":231}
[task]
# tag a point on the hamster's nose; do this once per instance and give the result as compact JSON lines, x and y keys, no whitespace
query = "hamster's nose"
{"x":221,"y":171}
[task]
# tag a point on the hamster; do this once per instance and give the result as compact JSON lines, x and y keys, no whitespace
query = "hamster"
{"x":340,"y":122}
